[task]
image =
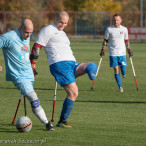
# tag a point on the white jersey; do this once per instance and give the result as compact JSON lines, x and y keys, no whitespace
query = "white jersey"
{"x":116,"y":38}
{"x":56,"y":44}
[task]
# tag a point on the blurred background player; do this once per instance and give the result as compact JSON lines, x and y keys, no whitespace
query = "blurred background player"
{"x":62,"y":62}
{"x":117,"y":36}
{"x":16,"y":50}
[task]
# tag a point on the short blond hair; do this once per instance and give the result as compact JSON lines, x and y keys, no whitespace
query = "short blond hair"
{"x":61,"y":13}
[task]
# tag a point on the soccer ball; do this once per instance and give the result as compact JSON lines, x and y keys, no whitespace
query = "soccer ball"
{"x":23,"y":124}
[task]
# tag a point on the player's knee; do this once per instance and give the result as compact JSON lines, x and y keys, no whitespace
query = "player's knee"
{"x":35,"y":103}
{"x":31,"y":96}
{"x":33,"y":99}
{"x":73,"y":95}
{"x":91,"y":70}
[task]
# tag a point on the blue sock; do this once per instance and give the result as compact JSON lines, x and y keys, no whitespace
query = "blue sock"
{"x":118,"y":80}
{"x":67,"y":108}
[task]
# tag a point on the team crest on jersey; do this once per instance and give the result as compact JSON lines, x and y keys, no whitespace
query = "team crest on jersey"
{"x":121,"y":32}
{"x":24,"y":48}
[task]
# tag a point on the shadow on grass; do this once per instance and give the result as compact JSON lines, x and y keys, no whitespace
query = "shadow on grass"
{"x":8,"y":88}
{"x":8,"y":131}
{"x":90,"y":101}
{"x":46,"y":89}
{"x":4,"y":129}
{"x":125,"y":102}
{"x":13,"y":88}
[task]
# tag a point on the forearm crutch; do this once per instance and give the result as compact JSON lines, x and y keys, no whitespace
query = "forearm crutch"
{"x":25,"y":105}
{"x":54,"y":99}
{"x":96,"y":73}
{"x":18,"y":108}
{"x":134,"y":72}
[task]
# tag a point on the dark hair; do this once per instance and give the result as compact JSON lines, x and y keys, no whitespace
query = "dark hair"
{"x":116,"y":15}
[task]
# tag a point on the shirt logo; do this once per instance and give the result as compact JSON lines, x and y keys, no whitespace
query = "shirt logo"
{"x":24,"y":56}
{"x":24,"y":48}
{"x":121,"y":32}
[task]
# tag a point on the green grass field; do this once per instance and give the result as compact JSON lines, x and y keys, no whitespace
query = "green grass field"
{"x":102,"y":117}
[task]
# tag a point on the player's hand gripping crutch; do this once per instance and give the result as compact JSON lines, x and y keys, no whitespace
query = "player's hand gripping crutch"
{"x":54,"y":101}
{"x":96,"y":73}
{"x":134,"y":72}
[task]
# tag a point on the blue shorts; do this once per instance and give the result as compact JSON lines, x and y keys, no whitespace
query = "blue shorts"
{"x":64,"y":71}
{"x":24,"y":85}
{"x":118,"y":61}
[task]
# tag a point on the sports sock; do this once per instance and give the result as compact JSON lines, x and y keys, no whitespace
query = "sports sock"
{"x":36,"y":108}
{"x":40,"y":114}
{"x":67,"y":108}
{"x":118,"y":80}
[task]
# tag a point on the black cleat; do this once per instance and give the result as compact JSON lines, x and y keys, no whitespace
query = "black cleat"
{"x":49,"y":127}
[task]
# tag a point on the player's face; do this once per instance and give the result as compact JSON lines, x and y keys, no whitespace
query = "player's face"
{"x":26,"y":32}
{"x":117,"y":21}
{"x":62,"y":22}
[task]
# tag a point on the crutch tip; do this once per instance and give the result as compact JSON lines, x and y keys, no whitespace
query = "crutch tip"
{"x":91,"y":88}
{"x":52,"y":120}
{"x":11,"y":124}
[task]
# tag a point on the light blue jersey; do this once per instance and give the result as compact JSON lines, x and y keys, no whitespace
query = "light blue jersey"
{"x":16,"y":55}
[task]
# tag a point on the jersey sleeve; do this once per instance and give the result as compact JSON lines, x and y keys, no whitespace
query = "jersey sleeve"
{"x":126,"y":34}
{"x":43,"y":37}
{"x":106,"y":36}
{"x":5,"y":40}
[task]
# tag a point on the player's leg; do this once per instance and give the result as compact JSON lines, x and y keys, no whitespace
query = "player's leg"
{"x":115,"y":65}
{"x":89,"y":68}
{"x":123,"y":71}
{"x":64,"y":75}
{"x":72,"y":93}
{"x":117,"y":77}
{"x":26,"y":88}
{"x":38,"y":110}
{"x":123,"y":64}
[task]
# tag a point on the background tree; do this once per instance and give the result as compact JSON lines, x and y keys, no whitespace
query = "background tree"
{"x":130,"y":5}
{"x":92,"y":5}
{"x":53,"y":5}
{"x":20,"y":5}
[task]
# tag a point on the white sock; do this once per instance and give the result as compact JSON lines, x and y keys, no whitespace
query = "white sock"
{"x":40,"y":114}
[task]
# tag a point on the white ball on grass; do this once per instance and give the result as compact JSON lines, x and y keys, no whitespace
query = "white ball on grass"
{"x":23,"y":124}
